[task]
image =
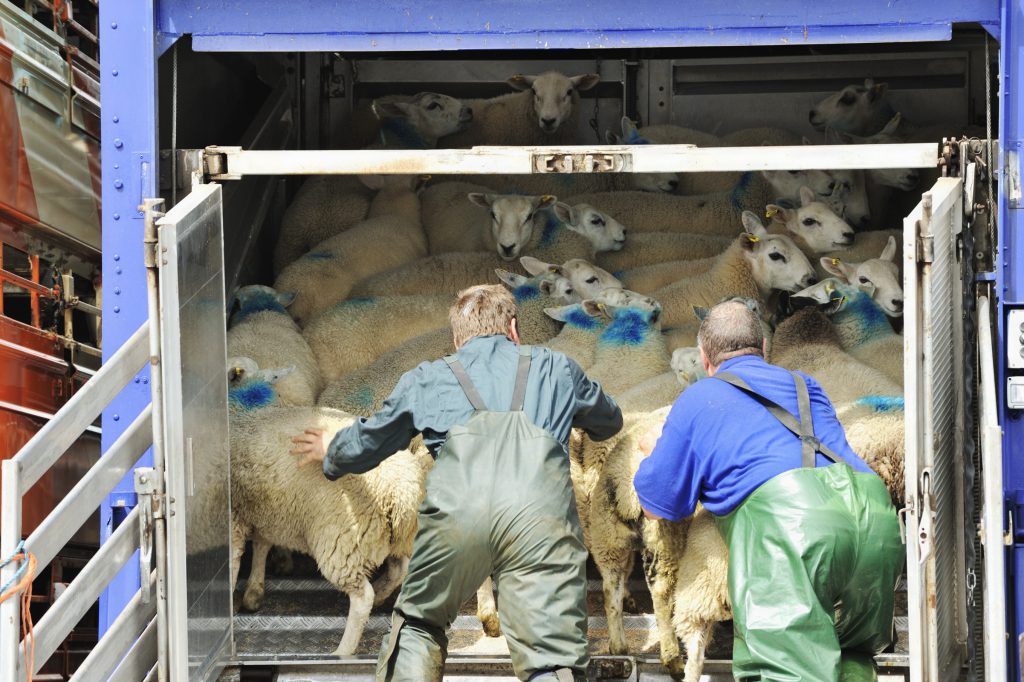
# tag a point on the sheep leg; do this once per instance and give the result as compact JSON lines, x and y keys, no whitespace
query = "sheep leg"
{"x":487,"y":609}
{"x":696,"y":641}
{"x":360,"y":601}
{"x":239,"y":534}
{"x":661,"y":583}
{"x":254,"y":586}
{"x":613,"y":584}
{"x":395,"y":569}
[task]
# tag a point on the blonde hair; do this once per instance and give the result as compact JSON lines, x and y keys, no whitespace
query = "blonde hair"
{"x":481,"y":310}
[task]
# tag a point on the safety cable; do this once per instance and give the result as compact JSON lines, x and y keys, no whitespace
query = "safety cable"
{"x":22,"y":582}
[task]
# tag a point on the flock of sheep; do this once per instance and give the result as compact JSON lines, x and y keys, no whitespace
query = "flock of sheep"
{"x":614,"y":271}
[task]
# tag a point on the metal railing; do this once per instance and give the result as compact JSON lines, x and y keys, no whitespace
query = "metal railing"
{"x":127,"y":638}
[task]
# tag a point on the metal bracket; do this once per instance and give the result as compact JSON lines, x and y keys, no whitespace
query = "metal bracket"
{"x":151,"y":505}
{"x":150,"y":239}
{"x":215,"y":162}
{"x":926,"y":249}
{"x":925,"y":536}
{"x":582,"y":163}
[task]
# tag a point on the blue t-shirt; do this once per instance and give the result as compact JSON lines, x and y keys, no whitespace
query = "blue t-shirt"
{"x":719,"y":444}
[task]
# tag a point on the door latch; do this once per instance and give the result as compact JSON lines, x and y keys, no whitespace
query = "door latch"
{"x":581,"y":163}
{"x":151,"y":508}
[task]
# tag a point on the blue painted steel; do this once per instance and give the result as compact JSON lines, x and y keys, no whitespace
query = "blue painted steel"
{"x":128,"y":146}
{"x":390,"y":25}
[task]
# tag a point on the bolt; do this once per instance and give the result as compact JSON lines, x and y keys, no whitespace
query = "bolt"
{"x":117,"y":216}
{"x":118,"y":143}
{"x":117,"y":417}
{"x":117,"y":256}
{"x":118,"y":184}
{"x":117,"y":308}
{"x":117,"y":291}
{"x":117,"y":271}
{"x":113,"y":72}
{"x":137,"y":380}
{"x":117,"y":166}
{"x":143,"y":479}
{"x":145,"y":381}
{"x":113,"y":25}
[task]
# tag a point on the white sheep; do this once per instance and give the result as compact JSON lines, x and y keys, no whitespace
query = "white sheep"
{"x":407,"y":121}
{"x":687,"y":364}
{"x":630,"y":350}
{"x":815,"y":228}
{"x":650,"y":248}
{"x":754,"y":265}
{"x":329,"y":204}
{"x":565,"y":232}
{"x":861,"y":110}
{"x":446,"y":273}
{"x":652,"y":394}
{"x":544,"y":111}
{"x":584,"y":322}
{"x":875,"y":427}
{"x":263,"y":330}
{"x":649,"y":278}
{"x":879,"y":276}
{"x":372,"y":519}
{"x":866,"y":247}
{"x":587,"y":279}
{"x":390,"y":237}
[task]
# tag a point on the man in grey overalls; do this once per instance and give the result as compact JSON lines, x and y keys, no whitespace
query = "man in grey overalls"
{"x":499,"y":500}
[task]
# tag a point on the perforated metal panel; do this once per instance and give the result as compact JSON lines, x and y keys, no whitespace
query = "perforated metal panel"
{"x":933,"y":347}
{"x":193,"y":349}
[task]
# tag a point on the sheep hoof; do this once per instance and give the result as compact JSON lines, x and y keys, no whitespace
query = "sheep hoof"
{"x":252,"y":600}
{"x":676,"y":668}
{"x":492,"y":626}
{"x":280,"y":561}
{"x":618,"y":649}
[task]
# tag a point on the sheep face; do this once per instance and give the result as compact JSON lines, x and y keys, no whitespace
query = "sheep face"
{"x":625,"y":298}
{"x":904,"y":179}
{"x":511,"y":219}
{"x":852,"y":109}
{"x":814,"y":222}
{"x":849,"y":198}
{"x":550,"y":284}
{"x":555,"y":96}
{"x":603,"y":231}
{"x":588,"y":279}
{"x":430,"y":114}
{"x":775,"y":261}
{"x":788,"y":183}
{"x":687,"y":364}
{"x":878,"y":277}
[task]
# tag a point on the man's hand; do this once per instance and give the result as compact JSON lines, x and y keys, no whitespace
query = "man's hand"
{"x":311,"y":446}
{"x":650,"y":439}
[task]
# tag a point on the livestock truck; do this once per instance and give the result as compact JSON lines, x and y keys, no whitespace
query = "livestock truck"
{"x":212,"y":113}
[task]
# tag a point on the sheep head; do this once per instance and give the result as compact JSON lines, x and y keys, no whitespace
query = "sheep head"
{"x":904,"y":179}
{"x":854,"y":109}
{"x":603,"y":231}
{"x":511,"y":219}
{"x":878,"y":277}
{"x":429,"y":115}
{"x":814,"y":222}
{"x":555,"y":95}
{"x":775,"y":261}
{"x":549,"y":284}
{"x":588,"y":279}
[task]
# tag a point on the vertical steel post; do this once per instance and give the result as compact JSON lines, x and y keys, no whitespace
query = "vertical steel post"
{"x":128,"y":91}
{"x":10,"y":535}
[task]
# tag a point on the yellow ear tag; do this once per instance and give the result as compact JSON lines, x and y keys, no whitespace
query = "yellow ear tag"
{"x":829,"y":289}
{"x":770,"y":213}
{"x":600,"y":306}
{"x":553,"y":269}
{"x":425,"y":178}
{"x":753,"y":239}
{"x":835,"y":262}
{"x":237,"y":371}
{"x":547,"y":197}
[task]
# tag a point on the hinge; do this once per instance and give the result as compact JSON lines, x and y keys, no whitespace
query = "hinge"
{"x":151,"y":505}
{"x":925,"y":249}
{"x":215,"y":163}
{"x":150,"y":238}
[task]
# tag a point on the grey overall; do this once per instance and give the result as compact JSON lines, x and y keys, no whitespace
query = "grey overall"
{"x":499,"y":502}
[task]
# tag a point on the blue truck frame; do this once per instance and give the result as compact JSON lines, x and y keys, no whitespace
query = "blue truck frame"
{"x":135,"y":32}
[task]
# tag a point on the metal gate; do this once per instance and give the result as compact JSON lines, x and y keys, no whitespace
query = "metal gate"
{"x":933,"y":347}
{"x":195,"y":432}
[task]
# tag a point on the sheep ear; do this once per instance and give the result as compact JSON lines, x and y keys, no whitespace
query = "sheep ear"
{"x":806,"y":196}
{"x":286,"y":298}
{"x":510,"y":279}
{"x":544,"y":201}
{"x":889,"y":252}
{"x":390,"y":109}
{"x":611,"y":138}
{"x":877,"y":91}
{"x":775,"y":212}
{"x":586,"y":81}
{"x":272,"y":376}
{"x":700,"y":311}
{"x":836,"y":267}
{"x":566,"y":213}
{"x":893,"y":124}
{"x":547,"y":286}
{"x":521,"y":82}
{"x":869,"y":83}
{"x":374,"y":182}
{"x":752,"y":223}
{"x":592,"y":307}
{"x":628,"y":127}
{"x":535,"y":266}
{"x":480,"y":199}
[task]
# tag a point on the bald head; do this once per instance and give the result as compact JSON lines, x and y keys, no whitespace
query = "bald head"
{"x":729,"y":330}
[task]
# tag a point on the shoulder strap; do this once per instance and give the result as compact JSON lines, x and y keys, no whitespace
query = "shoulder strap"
{"x":803,"y":429}
{"x":466,"y":383}
{"x":522,"y":374}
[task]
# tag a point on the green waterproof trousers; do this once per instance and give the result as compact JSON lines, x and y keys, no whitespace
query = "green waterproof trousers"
{"x":499,"y":503}
{"x":814,"y":555}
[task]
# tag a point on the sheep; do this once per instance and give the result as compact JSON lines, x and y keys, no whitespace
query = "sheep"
{"x":574,"y":232}
{"x":373,"y":516}
{"x":630,"y":350}
{"x":263,"y":330}
{"x":650,"y":248}
{"x":327,"y":205}
{"x":905,"y":179}
{"x":861,"y":325}
{"x":815,"y":228}
{"x":864,"y":248}
{"x":650,"y":278}
{"x":584,"y":322}
{"x":875,"y":427}
{"x":652,"y":394}
{"x":445,"y":273}
{"x":807,"y":342}
{"x":543,"y":112}
{"x":356,"y":332}
{"x":880,"y":276}
{"x":587,"y":279}
{"x":407,"y":121}
{"x":687,"y":364}
{"x":754,"y":265}
{"x":854,"y":109}
{"x":390,"y":237}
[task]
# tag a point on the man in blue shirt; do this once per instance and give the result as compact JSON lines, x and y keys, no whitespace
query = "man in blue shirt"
{"x":499,"y":500}
{"x":814,"y":545}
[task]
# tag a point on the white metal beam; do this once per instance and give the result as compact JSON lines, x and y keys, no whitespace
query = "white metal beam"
{"x":232,"y":163}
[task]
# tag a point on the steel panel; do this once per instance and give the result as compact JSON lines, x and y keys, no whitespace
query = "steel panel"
{"x":193,"y":353}
{"x":934,"y":459}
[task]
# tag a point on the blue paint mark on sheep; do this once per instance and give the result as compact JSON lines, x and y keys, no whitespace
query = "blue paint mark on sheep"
{"x":634,"y":137}
{"x":629,"y":328}
{"x":526,"y":292}
{"x":552,"y":226}
{"x":360,"y":300}
{"x":740,"y":191}
{"x":397,"y":131}
{"x":882,"y":403}
{"x":319,"y":255}
{"x":363,"y":397}
{"x":869,"y":312}
{"x":619,"y":274}
{"x":257,"y":301}
{"x":577,"y":317}
{"x":252,"y":396}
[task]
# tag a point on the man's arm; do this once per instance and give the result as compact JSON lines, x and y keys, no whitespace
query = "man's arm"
{"x":370,"y":440}
{"x":668,"y":482}
{"x":596,"y":412}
